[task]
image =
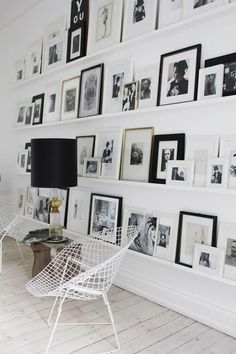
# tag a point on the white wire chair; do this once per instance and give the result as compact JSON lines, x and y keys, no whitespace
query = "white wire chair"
{"x":84,"y":270}
{"x":9,"y":221}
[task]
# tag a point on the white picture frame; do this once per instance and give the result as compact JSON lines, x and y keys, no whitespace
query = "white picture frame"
{"x":148,"y":85}
{"x":130,"y":96}
{"x":117,"y":74}
{"x":208,"y":260}
{"x":20,"y":70}
{"x":170,"y":11}
{"x":104,"y":24}
{"x":108,"y":149}
{"x":228,"y":150}
{"x":52,"y":102}
{"x":85,"y":148}
{"x":180,"y":173}
{"x":217,"y":173}
{"x":78,"y":210}
{"x":92,"y":167}
{"x":22,"y":161}
{"x":20,"y":200}
{"x":31,"y":201}
{"x":210,"y":82}
{"x":29,"y":114}
{"x":34,"y":59}
{"x":21,"y":112}
{"x":70,"y":98}
{"x":139,"y":18}
{"x":227,"y":241}
{"x":200,"y":148}
{"x":196,"y":7}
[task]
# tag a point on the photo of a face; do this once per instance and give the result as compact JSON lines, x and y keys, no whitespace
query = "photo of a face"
{"x":136,"y":156}
{"x":179,"y":174}
{"x":216,"y":174}
{"x":229,"y":78}
{"x":230,"y":258}
{"x":145,"y":88}
{"x":178,"y":78}
{"x":232,"y":166}
{"x":199,"y":3}
{"x":139,"y":12}
{"x":167,"y":154}
{"x":107,"y":152}
{"x":117,"y":85}
{"x":91,"y":167}
{"x":130,"y":96}
{"x":104,"y":21}
{"x":70,"y":97}
{"x":208,"y":260}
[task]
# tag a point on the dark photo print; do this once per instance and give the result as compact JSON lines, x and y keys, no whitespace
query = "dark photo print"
{"x":210,"y":85}
{"x":216,"y":176}
{"x":117,"y":85}
{"x":178,"y":82}
{"x":70,"y":100}
{"x":76,"y":44}
{"x":179,"y":174}
{"x":199,"y":3}
{"x":167,"y":154}
{"x":145,"y":89}
{"x":136,"y":157}
{"x":139,"y":11}
{"x":107,"y":152}
{"x":230,"y":78}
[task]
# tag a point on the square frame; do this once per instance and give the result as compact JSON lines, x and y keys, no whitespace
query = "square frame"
{"x":208,"y":260}
{"x":89,"y":167}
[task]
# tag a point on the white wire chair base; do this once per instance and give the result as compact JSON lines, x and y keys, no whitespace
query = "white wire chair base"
{"x":1,"y":255}
{"x":57,"y":323}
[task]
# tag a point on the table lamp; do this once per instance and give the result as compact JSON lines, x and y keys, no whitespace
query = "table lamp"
{"x":54,"y":165}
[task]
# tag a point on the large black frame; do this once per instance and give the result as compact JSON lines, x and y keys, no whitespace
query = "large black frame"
{"x":38,"y":97}
{"x":198,"y":61}
{"x":179,"y":237}
{"x":180,"y":138}
{"x":224,"y":59}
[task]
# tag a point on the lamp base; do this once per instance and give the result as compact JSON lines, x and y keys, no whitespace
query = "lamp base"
{"x":55,"y":231}
{"x":55,"y":227}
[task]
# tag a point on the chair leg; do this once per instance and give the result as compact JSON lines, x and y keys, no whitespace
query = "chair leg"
{"x":105,"y":298}
{"x":51,"y":312}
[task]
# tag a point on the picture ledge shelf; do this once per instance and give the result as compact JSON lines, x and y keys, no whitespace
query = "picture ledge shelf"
{"x":193,"y":104}
{"x":220,"y":11}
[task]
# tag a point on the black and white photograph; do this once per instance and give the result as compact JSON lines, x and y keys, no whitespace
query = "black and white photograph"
{"x":180,"y":173}
{"x":217,"y":173}
{"x":38,"y":102}
{"x":228,"y":151}
{"x":148,"y":82}
{"x":211,"y":82}
{"x":170,"y":11}
{"x":42,"y":209}
{"x":194,"y":7}
{"x":78,"y":210}
{"x":130,"y":96}
{"x":90,"y":91}
{"x":52,"y":102}
{"x":194,"y":228}
{"x":227,"y":241}
{"x":178,"y":75}
{"x":85,"y":149}
{"x":28,"y":115}
{"x":77,"y":42}
{"x":28,"y":161}
{"x":20,"y":200}
{"x":166,"y":147}
{"x":104,"y":21}
{"x":163,"y":238}
{"x":22,"y":161}
{"x":118,"y":82}
{"x":208,"y":259}
{"x":70,"y":98}
{"x":230,"y":257}
{"x":137,"y":147}
{"x":21,"y":114}
{"x":105,"y":214}
{"x":139,"y":13}
{"x":20,"y":70}
{"x":92,"y":167}
{"x":34,"y":59}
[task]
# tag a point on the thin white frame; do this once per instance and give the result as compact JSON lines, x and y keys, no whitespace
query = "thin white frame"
{"x":21,"y":105}
{"x":228,"y":150}
{"x":48,"y":115}
{"x":224,"y":173}
{"x":151,"y":73}
{"x":21,"y":192}
{"x":190,"y":11}
{"x":167,"y":15}
{"x":31,"y":107}
{"x":187,"y":165}
{"x":214,"y":251}
{"x":34,"y":59}
{"x":95,"y":44}
{"x":90,"y":145}
{"x":22,"y":168}
{"x":70,"y":84}
{"x":98,"y":169}
{"x":227,"y":231}
{"x":217,"y":70}
{"x":20,"y":67}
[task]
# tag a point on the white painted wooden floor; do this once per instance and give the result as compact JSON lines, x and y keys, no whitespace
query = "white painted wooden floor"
{"x":143,"y":327}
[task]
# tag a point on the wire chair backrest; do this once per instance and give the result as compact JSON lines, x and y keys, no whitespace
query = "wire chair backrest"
{"x":9,"y":210}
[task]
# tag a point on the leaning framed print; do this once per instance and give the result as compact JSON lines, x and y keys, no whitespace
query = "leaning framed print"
{"x":130,"y":96}
{"x":38,"y":102}
{"x":20,"y":200}
{"x":108,"y":148}
{"x":70,"y":98}
{"x":165,"y":147}
{"x":139,"y":18}
{"x":31,"y":201}
{"x":29,"y":114}
{"x":116,"y":75}
{"x":227,"y":241}
{"x":229,"y":62}
{"x":170,"y":11}
{"x":78,"y":210}
{"x":200,"y":149}
{"x":136,"y":154}
{"x":76,"y":43}
{"x":20,"y":70}
{"x":148,"y":82}
{"x":52,"y":102}
{"x":21,"y":111}
{"x":165,"y":247}
{"x":22,"y":161}
{"x":104,"y":24}
{"x":195,"y":7}
{"x":180,"y":173}
{"x":210,"y":82}
{"x":228,"y":150}
{"x":92,"y":167}
{"x":105,"y":214}
{"x":34,"y":59}
{"x":194,"y":228}
{"x":217,"y":173}
{"x":90,"y":95}
{"x":208,"y":260}
{"x":178,"y":75}
{"x":85,"y":149}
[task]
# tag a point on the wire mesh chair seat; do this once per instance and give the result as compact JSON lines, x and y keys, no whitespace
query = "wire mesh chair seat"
{"x":9,"y":221}
{"x":83,"y":270}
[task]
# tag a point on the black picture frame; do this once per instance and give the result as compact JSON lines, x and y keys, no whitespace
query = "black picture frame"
{"x":179,"y":138}
{"x":99,"y":88}
{"x":180,"y":229}
{"x":93,"y":137}
{"x":226,"y":60}
{"x":83,"y":29}
{"x":28,"y":162}
{"x":197,"y":48}
{"x":34,"y":99}
{"x":102,"y":228}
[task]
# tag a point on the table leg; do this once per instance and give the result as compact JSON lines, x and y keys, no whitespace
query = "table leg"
{"x":42,"y":256}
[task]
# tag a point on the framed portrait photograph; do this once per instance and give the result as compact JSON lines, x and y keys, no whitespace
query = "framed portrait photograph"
{"x":217,"y":173}
{"x":139,"y":18}
{"x":52,"y":102}
{"x":85,"y":149}
{"x":116,"y":75}
{"x":70,"y":98}
{"x":229,"y":81}
{"x":228,"y":150}
{"x":42,"y":209}
{"x":54,"y":44}
{"x":136,"y":154}
{"x":195,"y":7}
{"x":20,"y":70}
{"x":165,"y":147}
{"x":200,"y":149}
{"x":209,"y":260}
{"x":148,"y":83}
{"x":210,"y":82}
{"x":194,"y":228}
{"x":28,"y":161}
{"x":105,"y":214}
{"x":20,"y":113}
{"x":227,"y":241}
{"x":146,"y":238}
{"x":34,"y":59}
{"x":92,"y":167}
{"x":38,"y":102}
{"x":90,"y":95}
{"x":31,"y":201}
{"x":130,"y":96}
{"x":78,"y":210}
{"x":178,"y":75}
{"x":108,"y":149}
{"x":29,"y":114}
{"x":76,"y":43}
{"x":170,"y":11}
{"x":180,"y":173}
{"x":22,"y":161}
{"x":104,"y":24}
{"x":165,"y":246}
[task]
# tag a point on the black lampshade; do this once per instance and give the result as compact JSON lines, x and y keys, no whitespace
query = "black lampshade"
{"x":53,"y":163}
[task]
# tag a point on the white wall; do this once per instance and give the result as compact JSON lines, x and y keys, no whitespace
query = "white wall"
{"x":208,"y":300}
